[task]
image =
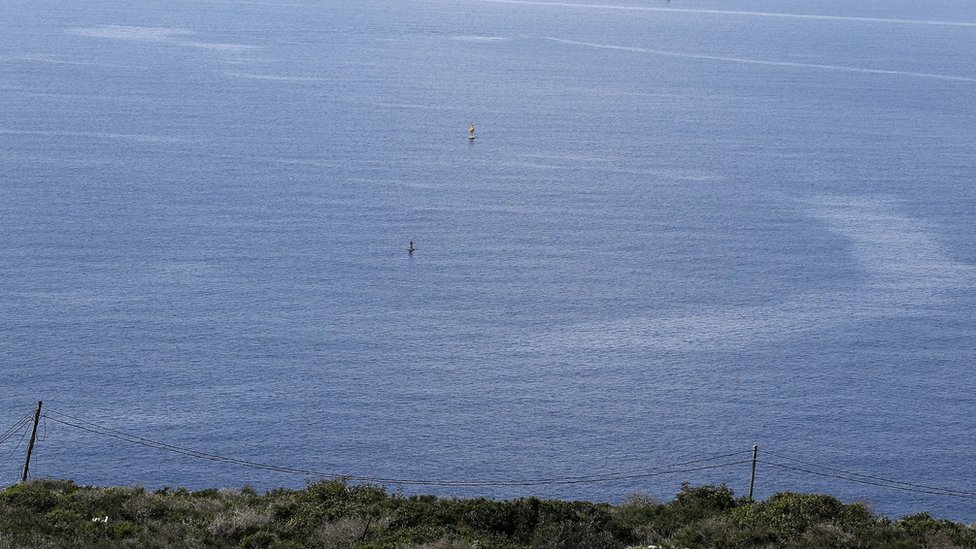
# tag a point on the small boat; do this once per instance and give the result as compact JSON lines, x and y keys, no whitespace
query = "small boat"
{"x":410,"y":247}
{"x":471,"y":132}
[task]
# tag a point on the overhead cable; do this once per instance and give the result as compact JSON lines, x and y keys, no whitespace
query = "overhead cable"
{"x":674,"y":468}
{"x":934,"y":492}
{"x":26,"y":429}
{"x":961,"y":493}
{"x":13,"y":430}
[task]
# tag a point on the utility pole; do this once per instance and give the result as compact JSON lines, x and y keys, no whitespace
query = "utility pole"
{"x":752,"y":478}
{"x":30,"y":445}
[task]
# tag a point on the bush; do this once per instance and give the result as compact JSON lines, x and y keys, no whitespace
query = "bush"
{"x":935,"y":533}
{"x":787,"y":520}
{"x":703,"y":501}
{"x":637,"y":516}
{"x":792,"y":513}
{"x":515,"y":519}
{"x":573,"y":534}
{"x":39,"y":496}
{"x":690,"y":506}
{"x":336,"y":515}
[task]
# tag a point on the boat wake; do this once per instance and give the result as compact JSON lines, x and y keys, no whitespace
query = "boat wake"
{"x":738,"y":13}
{"x":143,"y":138}
{"x":752,"y":61}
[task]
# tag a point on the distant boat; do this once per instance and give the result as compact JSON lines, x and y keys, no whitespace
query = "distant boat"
{"x":471,"y":132}
{"x":410,"y":247}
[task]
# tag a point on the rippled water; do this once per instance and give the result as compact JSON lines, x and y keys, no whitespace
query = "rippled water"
{"x":684,"y":228}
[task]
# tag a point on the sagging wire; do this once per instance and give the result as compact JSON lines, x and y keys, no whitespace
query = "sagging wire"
{"x":896,"y":483}
{"x":23,"y":435}
{"x":674,"y":468}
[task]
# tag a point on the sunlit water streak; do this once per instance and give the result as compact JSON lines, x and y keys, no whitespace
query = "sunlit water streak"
{"x":740,"y":13}
{"x":763,"y":62}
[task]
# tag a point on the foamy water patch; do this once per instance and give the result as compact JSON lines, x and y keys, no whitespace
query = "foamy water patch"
{"x":893,"y":250}
{"x":685,"y":331}
{"x":303,"y":162}
{"x":164,"y":35}
{"x":272,"y":77}
{"x":217,"y":46}
{"x":903,"y":268}
{"x":133,"y":33}
{"x":475,"y":38}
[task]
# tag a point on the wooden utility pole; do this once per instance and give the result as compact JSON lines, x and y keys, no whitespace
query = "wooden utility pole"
{"x":30,"y":445}
{"x":752,"y":478}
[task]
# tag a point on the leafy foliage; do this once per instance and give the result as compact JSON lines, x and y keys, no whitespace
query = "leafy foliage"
{"x":337,"y":515}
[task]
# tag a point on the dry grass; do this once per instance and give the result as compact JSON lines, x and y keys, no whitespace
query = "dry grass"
{"x":238,"y":522}
{"x":341,"y":534}
{"x":446,"y":543}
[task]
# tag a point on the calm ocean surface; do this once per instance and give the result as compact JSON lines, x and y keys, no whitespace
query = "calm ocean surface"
{"x":684,"y":228}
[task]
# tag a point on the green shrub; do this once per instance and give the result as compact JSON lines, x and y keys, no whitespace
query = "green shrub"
{"x":63,"y":519}
{"x":692,"y":505}
{"x":38,"y":495}
{"x":789,"y":512}
{"x":336,"y":515}
{"x":573,"y":534}
{"x":703,"y":501}
{"x":515,"y":519}
{"x":259,"y":540}
{"x":110,"y":501}
{"x":787,"y":520}
{"x":123,"y":529}
{"x":932,"y":532}
{"x":637,"y":516}
{"x":300,"y":514}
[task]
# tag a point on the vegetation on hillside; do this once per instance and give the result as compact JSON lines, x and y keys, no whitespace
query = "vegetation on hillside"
{"x":337,"y":515}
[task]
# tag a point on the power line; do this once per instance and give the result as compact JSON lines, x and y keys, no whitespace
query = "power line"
{"x":26,"y":426}
{"x":688,"y":466}
{"x":937,"y":492}
{"x":948,"y":491}
{"x":675,"y":468}
{"x":17,"y":426}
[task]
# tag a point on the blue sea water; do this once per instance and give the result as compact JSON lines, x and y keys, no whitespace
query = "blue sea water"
{"x":684,"y":228}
